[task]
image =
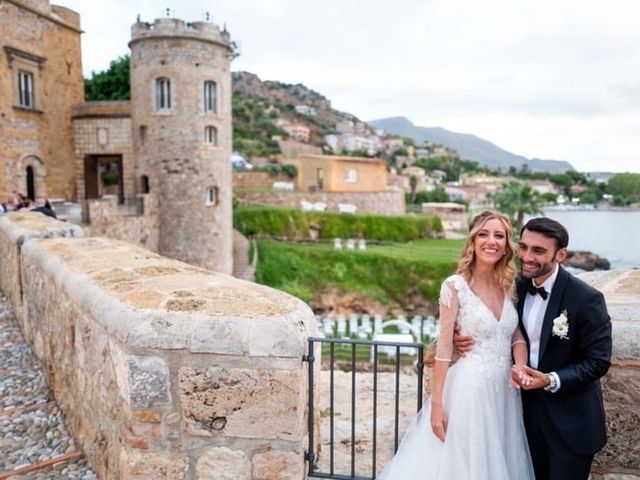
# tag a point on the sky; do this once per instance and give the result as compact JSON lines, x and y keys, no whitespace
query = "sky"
{"x":545,"y":79}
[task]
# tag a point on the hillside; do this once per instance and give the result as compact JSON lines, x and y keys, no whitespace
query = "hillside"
{"x":468,"y":146}
{"x":258,"y":105}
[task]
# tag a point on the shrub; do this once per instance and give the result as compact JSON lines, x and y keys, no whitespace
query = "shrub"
{"x":272,"y":222}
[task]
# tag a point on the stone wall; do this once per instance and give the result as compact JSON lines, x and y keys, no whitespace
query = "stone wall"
{"x":107,"y":220}
{"x":164,"y":370}
{"x":15,"y":229}
{"x":104,"y":128}
{"x":252,"y":179}
{"x":621,"y":456}
{"x":384,"y":203}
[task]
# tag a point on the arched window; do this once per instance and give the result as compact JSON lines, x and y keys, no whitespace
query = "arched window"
{"x":163,"y":93}
{"x":144,"y":184}
{"x":31,"y":185}
{"x":210,"y":96}
{"x":210,"y":135}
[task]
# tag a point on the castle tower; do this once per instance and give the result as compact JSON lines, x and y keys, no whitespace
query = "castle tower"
{"x":181,"y":122}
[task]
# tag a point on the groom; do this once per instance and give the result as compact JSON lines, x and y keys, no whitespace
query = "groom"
{"x":568,"y":332}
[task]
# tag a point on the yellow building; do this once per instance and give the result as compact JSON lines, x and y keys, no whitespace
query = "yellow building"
{"x":341,"y":174}
{"x":40,"y":80}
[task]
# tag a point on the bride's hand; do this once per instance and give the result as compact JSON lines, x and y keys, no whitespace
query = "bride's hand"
{"x":519,"y":377}
{"x":438,"y":421}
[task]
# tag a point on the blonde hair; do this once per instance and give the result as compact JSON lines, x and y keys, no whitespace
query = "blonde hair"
{"x":505,"y":270}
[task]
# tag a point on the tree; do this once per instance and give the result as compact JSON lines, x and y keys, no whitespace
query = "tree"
{"x":413,"y":184}
{"x":438,"y":195}
{"x":111,"y":84}
{"x":516,"y":200}
{"x":625,"y":187}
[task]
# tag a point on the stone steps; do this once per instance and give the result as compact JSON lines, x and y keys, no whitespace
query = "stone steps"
{"x":242,"y":268}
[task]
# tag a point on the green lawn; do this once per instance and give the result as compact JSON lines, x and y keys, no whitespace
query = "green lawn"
{"x":429,"y":250}
{"x":389,"y":273}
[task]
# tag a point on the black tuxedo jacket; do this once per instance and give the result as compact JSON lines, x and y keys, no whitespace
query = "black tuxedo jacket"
{"x":576,"y":411}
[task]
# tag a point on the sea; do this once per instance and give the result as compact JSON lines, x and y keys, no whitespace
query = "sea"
{"x":612,"y":234}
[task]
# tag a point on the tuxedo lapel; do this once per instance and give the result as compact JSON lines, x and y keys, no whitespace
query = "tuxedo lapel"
{"x":522,"y":293}
{"x":553,"y":309}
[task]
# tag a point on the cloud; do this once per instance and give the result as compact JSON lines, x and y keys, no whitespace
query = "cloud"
{"x":543,"y":79}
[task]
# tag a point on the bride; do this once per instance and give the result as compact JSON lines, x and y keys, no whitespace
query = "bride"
{"x":473,"y":428}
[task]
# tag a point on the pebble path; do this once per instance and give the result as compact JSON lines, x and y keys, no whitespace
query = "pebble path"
{"x":34,"y":443}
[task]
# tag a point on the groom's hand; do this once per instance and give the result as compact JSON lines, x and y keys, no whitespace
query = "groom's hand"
{"x":519,"y":378}
{"x":462,"y":343}
{"x":539,"y":379}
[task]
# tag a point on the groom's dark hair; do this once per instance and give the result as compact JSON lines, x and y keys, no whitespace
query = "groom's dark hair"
{"x":548,"y":228}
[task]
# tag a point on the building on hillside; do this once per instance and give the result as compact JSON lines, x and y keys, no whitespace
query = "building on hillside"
{"x":417,"y":171}
{"x":296,"y":131}
{"x":40,"y":81}
{"x":455,"y":193}
{"x":351,"y":142}
{"x":453,"y":215}
{"x":481,"y":179}
{"x":341,"y":174}
{"x":392,"y":144}
{"x":292,"y":149}
{"x":542,"y":186}
{"x":171,"y":141}
{"x":306,"y":110}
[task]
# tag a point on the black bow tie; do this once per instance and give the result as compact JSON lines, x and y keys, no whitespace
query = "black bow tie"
{"x":533,"y":290}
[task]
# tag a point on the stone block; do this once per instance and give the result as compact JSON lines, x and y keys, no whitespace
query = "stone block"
{"x":278,"y":466}
{"x":137,"y":465}
{"x":149,"y":382}
{"x":242,"y":403}
{"x":222,"y":463}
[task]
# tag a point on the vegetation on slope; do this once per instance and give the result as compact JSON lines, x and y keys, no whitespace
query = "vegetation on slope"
{"x":295,"y":224}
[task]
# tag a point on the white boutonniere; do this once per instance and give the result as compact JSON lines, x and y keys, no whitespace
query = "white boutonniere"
{"x":561,"y":325}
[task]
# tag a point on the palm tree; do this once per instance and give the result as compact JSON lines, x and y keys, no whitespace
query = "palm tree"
{"x":516,"y":200}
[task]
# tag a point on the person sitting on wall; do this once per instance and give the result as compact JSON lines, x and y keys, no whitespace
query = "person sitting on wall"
{"x":22,"y":201}
{"x":8,"y":206}
{"x":42,"y":205}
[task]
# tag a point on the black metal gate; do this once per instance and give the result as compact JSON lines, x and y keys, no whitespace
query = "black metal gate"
{"x":350,"y":351}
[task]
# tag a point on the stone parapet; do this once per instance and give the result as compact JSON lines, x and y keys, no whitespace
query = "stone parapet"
{"x":100,"y":109}
{"x":140,"y":228}
{"x":165,"y":370}
{"x":176,"y":28}
{"x":253,"y":179}
{"x":15,"y":229}
{"x":621,"y":386}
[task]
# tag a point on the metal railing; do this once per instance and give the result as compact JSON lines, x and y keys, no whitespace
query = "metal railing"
{"x":311,"y":455}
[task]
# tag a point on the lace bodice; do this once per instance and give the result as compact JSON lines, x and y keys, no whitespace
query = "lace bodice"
{"x":493,"y":337}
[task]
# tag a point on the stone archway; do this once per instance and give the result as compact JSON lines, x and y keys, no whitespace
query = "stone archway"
{"x":28,"y":177}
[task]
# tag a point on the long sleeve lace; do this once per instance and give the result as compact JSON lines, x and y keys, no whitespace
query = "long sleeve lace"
{"x":517,"y":337}
{"x":448,"y":314}
{"x":519,"y":348}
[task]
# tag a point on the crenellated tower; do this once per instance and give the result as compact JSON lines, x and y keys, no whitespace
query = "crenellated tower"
{"x":181,"y":122}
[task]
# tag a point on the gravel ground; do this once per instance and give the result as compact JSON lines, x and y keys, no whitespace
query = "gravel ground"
{"x":31,"y":424}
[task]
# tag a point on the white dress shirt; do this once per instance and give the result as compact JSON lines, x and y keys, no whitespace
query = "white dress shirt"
{"x":533,"y":316}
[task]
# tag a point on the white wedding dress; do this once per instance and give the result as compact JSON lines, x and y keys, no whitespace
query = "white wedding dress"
{"x":485,"y":437}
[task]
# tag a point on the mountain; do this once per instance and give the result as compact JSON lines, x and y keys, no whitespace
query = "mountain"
{"x":468,"y":146}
